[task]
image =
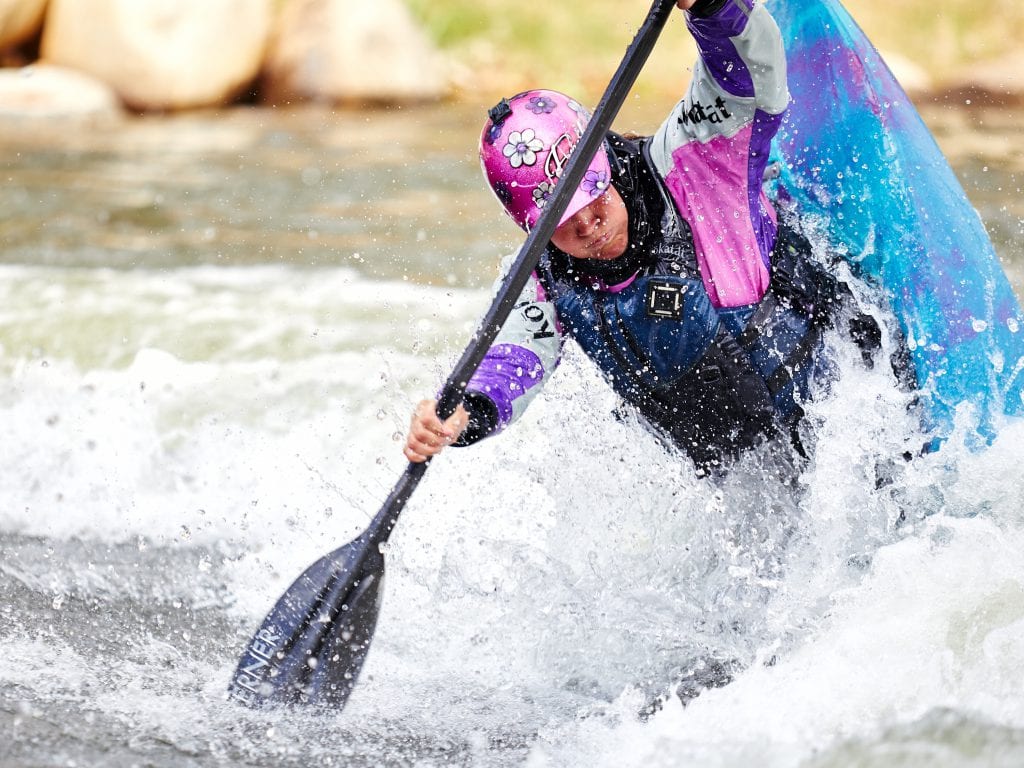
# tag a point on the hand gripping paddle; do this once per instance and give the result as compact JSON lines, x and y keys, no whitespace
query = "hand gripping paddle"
{"x":311,"y":646}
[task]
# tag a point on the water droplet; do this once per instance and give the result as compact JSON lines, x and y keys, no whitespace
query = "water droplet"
{"x":979,"y":325}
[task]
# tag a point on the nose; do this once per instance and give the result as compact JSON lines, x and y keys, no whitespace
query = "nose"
{"x":584,"y":221}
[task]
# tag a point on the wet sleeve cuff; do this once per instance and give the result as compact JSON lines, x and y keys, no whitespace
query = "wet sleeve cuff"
{"x":483,"y":418}
{"x":704,"y":8}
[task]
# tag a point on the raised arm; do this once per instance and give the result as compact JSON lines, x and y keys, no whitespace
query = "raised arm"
{"x":713,"y":148}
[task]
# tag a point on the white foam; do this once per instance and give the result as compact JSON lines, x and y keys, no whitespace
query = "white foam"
{"x":547,"y":582}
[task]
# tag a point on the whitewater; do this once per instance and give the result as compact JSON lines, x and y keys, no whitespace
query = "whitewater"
{"x":182,"y":437}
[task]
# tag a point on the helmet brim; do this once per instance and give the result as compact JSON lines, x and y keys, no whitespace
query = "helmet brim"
{"x":596,"y":181}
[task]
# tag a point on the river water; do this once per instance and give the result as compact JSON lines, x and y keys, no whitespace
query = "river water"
{"x":212,"y":329}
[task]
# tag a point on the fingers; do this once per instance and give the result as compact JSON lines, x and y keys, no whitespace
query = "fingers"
{"x":428,"y":436}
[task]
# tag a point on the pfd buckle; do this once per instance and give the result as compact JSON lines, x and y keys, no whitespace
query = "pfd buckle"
{"x":665,"y":299}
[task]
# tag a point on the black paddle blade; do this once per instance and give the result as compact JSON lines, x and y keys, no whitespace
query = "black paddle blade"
{"x":311,"y":646}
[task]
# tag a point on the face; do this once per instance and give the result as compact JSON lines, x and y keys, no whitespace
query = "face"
{"x":598,"y":231}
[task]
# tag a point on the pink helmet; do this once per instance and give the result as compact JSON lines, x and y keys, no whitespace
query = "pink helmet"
{"x":524,"y":147}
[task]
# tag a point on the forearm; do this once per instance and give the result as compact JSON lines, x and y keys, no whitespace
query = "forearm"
{"x":515,"y":368}
{"x":483,"y":419}
{"x":741,"y":53}
{"x":500,"y":390}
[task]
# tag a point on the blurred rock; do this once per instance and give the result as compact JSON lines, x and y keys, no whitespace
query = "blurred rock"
{"x":161,"y":54}
{"x":43,"y":91}
{"x":20,"y":20}
{"x":350,"y":50}
{"x":993,"y":83}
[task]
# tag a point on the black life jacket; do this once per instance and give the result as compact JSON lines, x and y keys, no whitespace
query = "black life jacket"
{"x":665,"y":348}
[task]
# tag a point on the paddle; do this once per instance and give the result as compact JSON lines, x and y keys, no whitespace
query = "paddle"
{"x":311,"y":646}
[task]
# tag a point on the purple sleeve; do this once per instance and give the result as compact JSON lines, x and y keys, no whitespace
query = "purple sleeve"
{"x":507,"y":373}
{"x":521,"y":359}
{"x":713,"y":148}
{"x":713,"y":35}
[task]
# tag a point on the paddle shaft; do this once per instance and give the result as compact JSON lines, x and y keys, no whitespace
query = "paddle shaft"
{"x":311,"y":646}
{"x":529,"y":254}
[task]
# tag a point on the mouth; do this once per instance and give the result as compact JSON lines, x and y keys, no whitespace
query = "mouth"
{"x":607,"y":247}
{"x":598,"y":244}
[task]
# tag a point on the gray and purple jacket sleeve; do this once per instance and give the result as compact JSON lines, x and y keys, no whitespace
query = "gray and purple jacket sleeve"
{"x":713,"y":148}
{"x":518,"y":363}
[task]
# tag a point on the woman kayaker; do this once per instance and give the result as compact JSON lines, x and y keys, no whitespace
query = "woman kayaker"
{"x":671,"y":268}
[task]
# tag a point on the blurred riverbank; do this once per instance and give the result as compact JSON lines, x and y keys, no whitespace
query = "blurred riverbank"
{"x":411,"y":51}
{"x":936,"y":51}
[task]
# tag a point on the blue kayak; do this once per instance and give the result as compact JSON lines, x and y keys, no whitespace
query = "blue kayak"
{"x":856,"y":151}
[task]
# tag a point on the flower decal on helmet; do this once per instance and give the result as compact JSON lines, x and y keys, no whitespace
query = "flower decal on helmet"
{"x":595,"y":183}
{"x":541,"y":105}
{"x":541,"y":193}
{"x":522,"y":147}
